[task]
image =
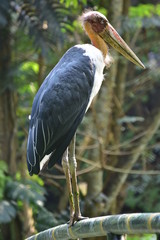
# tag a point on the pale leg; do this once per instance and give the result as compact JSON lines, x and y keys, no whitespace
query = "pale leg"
{"x":73,"y":166}
{"x":65,"y":165}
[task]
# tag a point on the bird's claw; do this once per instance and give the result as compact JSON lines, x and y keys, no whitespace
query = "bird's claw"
{"x":74,"y":219}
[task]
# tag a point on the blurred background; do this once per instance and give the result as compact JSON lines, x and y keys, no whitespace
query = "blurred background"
{"x":118,"y":142}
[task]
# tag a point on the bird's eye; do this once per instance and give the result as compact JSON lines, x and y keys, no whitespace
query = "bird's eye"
{"x":102,"y":21}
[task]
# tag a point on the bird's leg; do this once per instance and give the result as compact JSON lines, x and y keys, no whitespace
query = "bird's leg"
{"x":65,"y":165}
{"x":73,"y":166}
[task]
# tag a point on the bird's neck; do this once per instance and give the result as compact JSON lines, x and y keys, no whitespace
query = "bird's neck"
{"x":96,"y":40}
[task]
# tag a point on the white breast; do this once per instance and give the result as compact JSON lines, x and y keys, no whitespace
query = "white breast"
{"x":98,"y":60}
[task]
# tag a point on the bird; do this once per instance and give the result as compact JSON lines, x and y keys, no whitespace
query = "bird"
{"x":65,"y":96}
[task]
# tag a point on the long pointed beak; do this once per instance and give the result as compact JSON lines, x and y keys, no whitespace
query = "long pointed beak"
{"x":111,"y":36}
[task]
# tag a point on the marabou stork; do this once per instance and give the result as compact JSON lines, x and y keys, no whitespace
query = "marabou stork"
{"x":64,"y":97}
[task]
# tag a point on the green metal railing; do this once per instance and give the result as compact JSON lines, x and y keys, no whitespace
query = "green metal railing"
{"x":137,"y":223}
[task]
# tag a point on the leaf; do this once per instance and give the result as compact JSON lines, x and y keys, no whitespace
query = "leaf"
{"x":3,"y":166}
{"x":7,"y":212}
{"x":45,"y":219}
{"x":143,"y":10}
{"x":30,"y":192}
{"x":143,"y":237}
{"x":32,"y":16}
{"x":3,"y":177}
{"x":30,"y":65}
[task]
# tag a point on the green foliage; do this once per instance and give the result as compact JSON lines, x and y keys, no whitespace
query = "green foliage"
{"x":14,"y":193}
{"x":28,"y":191}
{"x":7,"y":211}
{"x":146,"y":190}
{"x":142,"y":237}
{"x":144,"y":10}
{"x":3,"y":178}
{"x":27,"y":66}
{"x":7,"y":208}
{"x":45,"y":219}
{"x":142,"y":15}
{"x":103,"y":11}
{"x":18,"y":192}
{"x":42,"y":20}
{"x":50,"y":27}
{"x":74,"y":3}
{"x":26,"y":79}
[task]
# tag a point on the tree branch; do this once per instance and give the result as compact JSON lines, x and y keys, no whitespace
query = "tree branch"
{"x":138,"y":223}
{"x":117,"y":181}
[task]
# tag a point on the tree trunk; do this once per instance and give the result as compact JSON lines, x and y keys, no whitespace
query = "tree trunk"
{"x":95,"y":187}
{"x":8,"y":128}
{"x":41,"y":63}
{"x":7,"y":103}
{"x":118,"y":76}
{"x":26,"y":215}
{"x":114,"y":16}
{"x":118,"y":91}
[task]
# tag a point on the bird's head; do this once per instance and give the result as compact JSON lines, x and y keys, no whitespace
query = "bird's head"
{"x":101,"y":32}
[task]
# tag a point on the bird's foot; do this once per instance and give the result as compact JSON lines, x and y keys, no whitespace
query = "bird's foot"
{"x":80,"y":217}
{"x":76,"y":218}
